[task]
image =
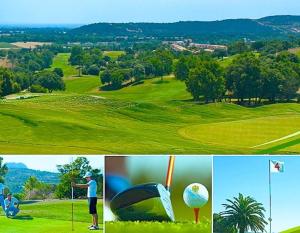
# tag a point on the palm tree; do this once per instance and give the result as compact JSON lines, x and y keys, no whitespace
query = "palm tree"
{"x":245,"y":213}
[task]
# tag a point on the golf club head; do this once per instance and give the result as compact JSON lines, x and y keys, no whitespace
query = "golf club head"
{"x":148,"y":202}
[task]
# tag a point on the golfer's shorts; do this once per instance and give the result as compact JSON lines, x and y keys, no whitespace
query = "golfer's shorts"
{"x":93,"y":205}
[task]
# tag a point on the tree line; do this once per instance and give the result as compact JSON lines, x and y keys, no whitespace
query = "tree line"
{"x":250,"y":78}
{"x":30,"y":71}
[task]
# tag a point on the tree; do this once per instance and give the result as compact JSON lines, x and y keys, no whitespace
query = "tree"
{"x":6,"y":82}
{"x":74,"y":172}
{"x":221,"y":225}
{"x":139,"y":72}
{"x":181,"y":70}
{"x":93,"y":70}
{"x":105,"y":77}
{"x":59,"y":72}
{"x":206,"y":80}
{"x":245,"y":213}
{"x":49,"y":80}
{"x":35,"y":189}
{"x":243,"y":77}
{"x":3,"y":170}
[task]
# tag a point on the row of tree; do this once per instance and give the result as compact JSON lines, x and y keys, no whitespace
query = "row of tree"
{"x":250,"y":78}
{"x":41,"y":82}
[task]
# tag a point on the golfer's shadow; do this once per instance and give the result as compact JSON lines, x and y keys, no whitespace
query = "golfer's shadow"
{"x":23,"y":217}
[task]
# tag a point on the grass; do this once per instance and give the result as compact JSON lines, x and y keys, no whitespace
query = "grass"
{"x":49,"y":217}
{"x":5,"y":45}
{"x":113,"y":54}
{"x":62,"y":61}
{"x":293,"y":230}
{"x":295,"y":51}
{"x":151,"y":118}
{"x":156,"y":227}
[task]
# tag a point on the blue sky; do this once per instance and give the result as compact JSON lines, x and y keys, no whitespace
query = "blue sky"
{"x":48,"y":163}
{"x":91,"y":11}
{"x":249,"y":176}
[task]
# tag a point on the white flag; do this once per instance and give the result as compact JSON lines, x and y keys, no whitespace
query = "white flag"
{"x":276,"y":166}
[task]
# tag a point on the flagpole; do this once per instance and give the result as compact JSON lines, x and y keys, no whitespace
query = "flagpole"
{"x":270,"y":193}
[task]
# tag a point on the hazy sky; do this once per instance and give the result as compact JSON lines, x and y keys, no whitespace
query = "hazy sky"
{"x":48,"y":163}
{"x":91,"y":11}
{"x":249,"y":176}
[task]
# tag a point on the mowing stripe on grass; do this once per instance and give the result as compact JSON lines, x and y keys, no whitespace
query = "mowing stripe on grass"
{"x":278,"y":140}
{"x":279,"y":147}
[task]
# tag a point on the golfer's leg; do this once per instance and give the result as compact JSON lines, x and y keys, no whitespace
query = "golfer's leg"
{"x":7,"y":212}
{"x":16,"y":211}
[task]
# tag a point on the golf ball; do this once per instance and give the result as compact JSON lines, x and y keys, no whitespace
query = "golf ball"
{"x":195,"y":195}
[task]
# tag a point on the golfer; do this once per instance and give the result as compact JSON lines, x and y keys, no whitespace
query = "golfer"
{"x":2,"y":187}
{"x":91,"y":187}
{"x":11,"y":206}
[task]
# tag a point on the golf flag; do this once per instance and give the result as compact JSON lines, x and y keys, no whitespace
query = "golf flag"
{"x":276,"y":166}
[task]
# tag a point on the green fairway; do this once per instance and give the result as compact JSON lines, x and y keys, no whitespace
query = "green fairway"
{"x":49,"y":217}
{"x":293,"y":230}
{"x":5,"y":45}
{"x":113,"y":54}
{"x":150,"y":118}
{"x":155,"y":227}
{"x":62,"y":61}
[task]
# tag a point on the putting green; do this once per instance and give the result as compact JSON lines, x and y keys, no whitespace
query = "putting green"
{"x":247,"y":134}
{"x":49,"y":217}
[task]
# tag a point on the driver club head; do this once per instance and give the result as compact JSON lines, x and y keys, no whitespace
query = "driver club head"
{"x":147,"y":202}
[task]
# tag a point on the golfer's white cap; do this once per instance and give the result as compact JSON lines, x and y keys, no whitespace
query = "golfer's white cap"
{"x":88,"y":174}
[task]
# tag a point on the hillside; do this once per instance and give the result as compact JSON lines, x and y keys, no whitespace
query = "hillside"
{"x":264,"y":27}
{"x":153,"y":117}
{"x":18,"y":174}
{"x":293,"y":230}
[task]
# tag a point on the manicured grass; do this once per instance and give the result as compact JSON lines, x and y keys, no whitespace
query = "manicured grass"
{"x":49,"y":217}
{"x":113,"y":54}
{"x":156,"y":227}
{"x":62,"y":61}
{"x":293,"y":230}
{"x":5,"y":45}
{"x":85,"y":84}
{"x":150,"y":118}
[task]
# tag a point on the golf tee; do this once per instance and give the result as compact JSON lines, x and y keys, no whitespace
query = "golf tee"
{"x":196,"y":212}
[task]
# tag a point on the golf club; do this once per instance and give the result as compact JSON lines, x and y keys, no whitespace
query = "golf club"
{"x":147,"y":202}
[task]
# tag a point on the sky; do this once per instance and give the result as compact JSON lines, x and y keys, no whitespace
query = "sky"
{"x":249,"y":176}
{"x":92,"y":11}
{"x":48,"y":163}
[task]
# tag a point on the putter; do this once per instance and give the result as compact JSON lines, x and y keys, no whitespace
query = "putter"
{"x":147,"y":202}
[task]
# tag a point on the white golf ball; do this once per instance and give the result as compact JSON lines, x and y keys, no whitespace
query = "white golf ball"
{"x":195,"y":195}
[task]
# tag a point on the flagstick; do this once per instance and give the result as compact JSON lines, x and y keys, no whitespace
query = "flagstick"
{"x":270,"y":192}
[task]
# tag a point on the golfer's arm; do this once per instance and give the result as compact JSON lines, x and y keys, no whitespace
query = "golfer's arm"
{"x":82,"y":186}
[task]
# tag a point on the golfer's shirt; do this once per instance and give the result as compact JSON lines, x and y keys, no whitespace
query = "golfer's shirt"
{"x":92,"y":189}
{"x":11,"y":203}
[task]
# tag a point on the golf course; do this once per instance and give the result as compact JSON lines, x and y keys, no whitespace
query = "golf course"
{"x":48,"y":217}
{"x":154,"y":117}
